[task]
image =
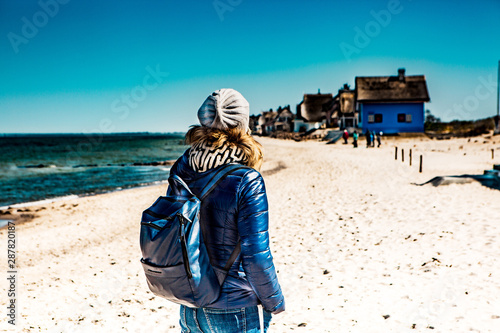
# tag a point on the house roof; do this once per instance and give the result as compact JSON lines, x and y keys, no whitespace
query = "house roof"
{"x":313,"y":106}
{"x":285,"y":113}
{"x":269,"y":114}
{"x":392,"y":88}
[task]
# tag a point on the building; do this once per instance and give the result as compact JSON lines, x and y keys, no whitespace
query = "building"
{"x":392,"y":104}
{"x":270,"y":122}
{"x":266,"y":123}
{"x":253,"y":123}
{"x":284,"y":121}
{"x":312,"y":111}
{"x":341,"y":112}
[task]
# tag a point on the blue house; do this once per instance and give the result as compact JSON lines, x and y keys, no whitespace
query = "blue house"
{"x":392,"y":104}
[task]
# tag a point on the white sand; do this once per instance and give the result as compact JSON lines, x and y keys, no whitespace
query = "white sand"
{"x":350,"y":237}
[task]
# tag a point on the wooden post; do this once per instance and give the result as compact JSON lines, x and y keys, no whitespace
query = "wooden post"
{"x":396,"y":153}
{"x":410,"y":157}
{"x":402,"y":155}
{"x":421,"y":162}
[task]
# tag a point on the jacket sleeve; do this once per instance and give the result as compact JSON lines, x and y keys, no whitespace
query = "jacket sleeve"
{"x":257,"y":261}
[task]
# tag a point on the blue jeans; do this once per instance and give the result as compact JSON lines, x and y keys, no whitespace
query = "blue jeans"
{"x":206,"y":320}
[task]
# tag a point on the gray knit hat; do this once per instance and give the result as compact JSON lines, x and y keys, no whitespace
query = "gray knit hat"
{"x":224,"y":109}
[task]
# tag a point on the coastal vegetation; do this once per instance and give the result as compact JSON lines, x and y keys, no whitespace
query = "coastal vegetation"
{"x":434,"y":127}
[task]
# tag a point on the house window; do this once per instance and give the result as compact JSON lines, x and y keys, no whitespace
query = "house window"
{"x":378,"y":118}
{"x":404,"y":118}
{"x":371,"y":118}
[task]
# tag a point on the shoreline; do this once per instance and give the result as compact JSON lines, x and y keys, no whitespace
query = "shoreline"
{"x":74,"y":196}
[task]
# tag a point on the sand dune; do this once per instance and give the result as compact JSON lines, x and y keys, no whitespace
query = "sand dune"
{"x":357,"y":246}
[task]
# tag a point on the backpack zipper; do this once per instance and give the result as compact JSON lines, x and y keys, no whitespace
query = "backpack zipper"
{"x":158,"y":216}
{"x":151,"y":224}
{"x":185,"y":256}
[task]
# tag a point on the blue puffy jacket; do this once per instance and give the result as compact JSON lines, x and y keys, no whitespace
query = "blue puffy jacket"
{"x":237,"y":208}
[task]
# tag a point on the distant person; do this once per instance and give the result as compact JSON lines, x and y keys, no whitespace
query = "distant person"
{"x":235,"y":212}
{"x":355,"y":139}
{"x":379,"y":139}
{"x":372,"y":138}
{"x":345,"y":136}
{"x":368,"y":139}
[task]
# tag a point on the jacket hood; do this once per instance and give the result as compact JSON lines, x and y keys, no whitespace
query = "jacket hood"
{"x":182,"y":169}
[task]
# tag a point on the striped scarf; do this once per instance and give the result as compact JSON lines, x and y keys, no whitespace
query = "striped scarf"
{"x":203,"y":157}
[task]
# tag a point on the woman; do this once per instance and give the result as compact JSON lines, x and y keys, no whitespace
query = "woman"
{"x":235,"y":211}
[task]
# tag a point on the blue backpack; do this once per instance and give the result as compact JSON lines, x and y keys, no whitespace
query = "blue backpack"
{"x":174,"y":257}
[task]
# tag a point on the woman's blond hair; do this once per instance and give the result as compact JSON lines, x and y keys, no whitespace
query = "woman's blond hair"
{"x":216,"y":138}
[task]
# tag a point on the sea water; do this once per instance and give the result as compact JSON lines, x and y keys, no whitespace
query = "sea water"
{"x":36,"y":167}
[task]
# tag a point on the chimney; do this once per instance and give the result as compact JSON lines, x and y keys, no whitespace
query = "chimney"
{"x":346,"y":86}
{"x":401,"y":74}
{"x":319,"y":92}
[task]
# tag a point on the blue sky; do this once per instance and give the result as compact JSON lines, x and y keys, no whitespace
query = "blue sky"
{"x":117,"y":66}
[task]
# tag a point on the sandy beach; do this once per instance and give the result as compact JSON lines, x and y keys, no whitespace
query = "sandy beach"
{"x":358,"y":247}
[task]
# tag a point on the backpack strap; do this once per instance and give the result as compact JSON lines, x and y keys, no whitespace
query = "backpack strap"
{"x":173,"y":179}
{"x":209,"y":187}
{"x":212,"y":183}
{"x":222,"y":273}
